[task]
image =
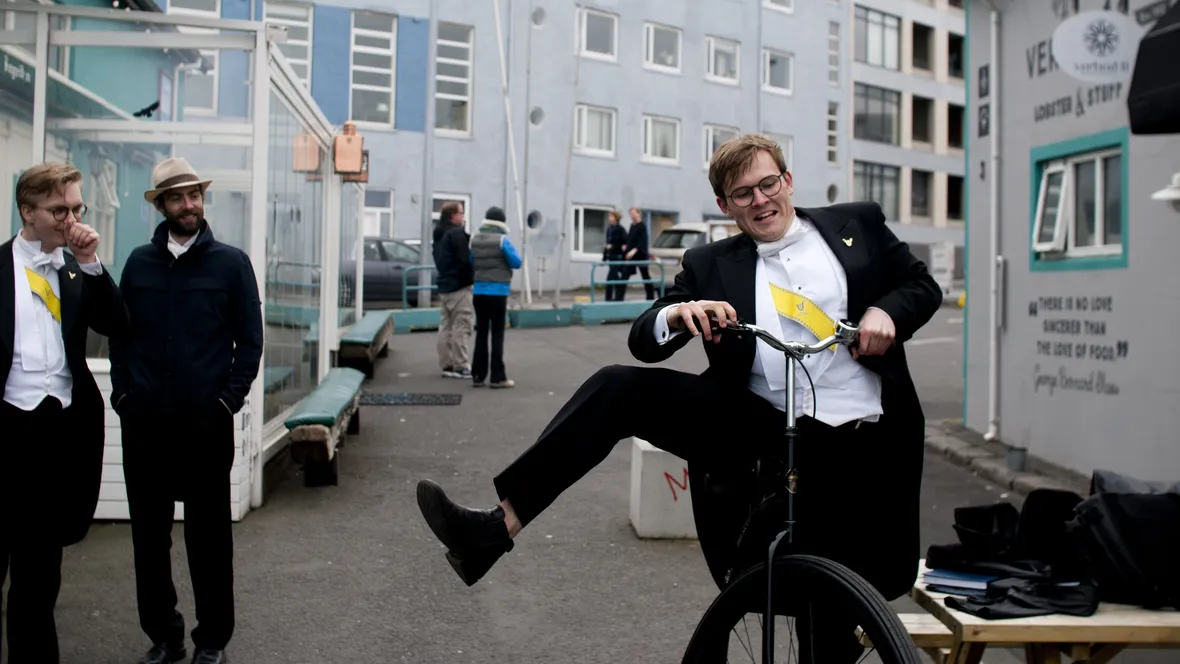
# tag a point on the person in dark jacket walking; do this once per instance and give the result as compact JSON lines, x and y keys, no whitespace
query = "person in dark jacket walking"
{"x":178,"y":378}
{"x":494,"y":258}
{"x":452,"y":257}
{"x":616,"y":239}
{"x":637,"y":251}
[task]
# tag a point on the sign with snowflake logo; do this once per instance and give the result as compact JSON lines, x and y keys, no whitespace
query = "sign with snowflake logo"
{"x":1097,"y":46}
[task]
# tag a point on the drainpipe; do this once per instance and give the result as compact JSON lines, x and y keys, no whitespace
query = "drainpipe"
{"x":997,"y":261}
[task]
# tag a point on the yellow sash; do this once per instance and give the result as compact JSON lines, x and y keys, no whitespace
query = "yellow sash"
{"x":803,"y":311}
{"x":42,"y":289}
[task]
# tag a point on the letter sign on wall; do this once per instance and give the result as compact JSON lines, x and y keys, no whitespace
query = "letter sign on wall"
{"x":1098,"y":46}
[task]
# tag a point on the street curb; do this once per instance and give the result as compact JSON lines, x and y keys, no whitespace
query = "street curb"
{"x":967,"y":449}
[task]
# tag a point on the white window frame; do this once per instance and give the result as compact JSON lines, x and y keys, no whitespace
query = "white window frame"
{"x":215,"y":72}
{"x":786,"y":143}
{"x":710,"y":131}
{"x":711,"y":45}
{"x":649,"y":43}
{"x":784,"y":6}
{"x":374,"y":212}
{"x":577,"y":249}
{"x":834,"y":53}
{"x":833,"y":133}
{"x":469,"y":81}
{"x":885,"y":18}
{"x":309,"y":23}
{"x":353,"y":31}
{"x":580,"y":112}
{"x":766,"y":86}
{"x":465,"y":199}
{"x":216,"y":13}
{"x":648,"y":157}
{"x":613,"y":56}
{"x":1064,"y":242}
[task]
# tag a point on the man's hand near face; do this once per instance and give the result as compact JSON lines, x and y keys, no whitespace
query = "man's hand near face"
{"x":82,"y":241}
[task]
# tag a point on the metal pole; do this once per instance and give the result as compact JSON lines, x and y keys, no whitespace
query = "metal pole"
{"x":994,"y":265}
{"x":40,"y":82}
{"x":260,"y":157}
{"x":512,"y":146}
{"x":427,"y":256}
{"x":528,"y":105}
{"x":566,"y":213}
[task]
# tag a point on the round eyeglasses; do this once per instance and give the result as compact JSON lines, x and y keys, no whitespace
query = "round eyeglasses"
{"x":61,"y":212}
{"x":769,"y":185}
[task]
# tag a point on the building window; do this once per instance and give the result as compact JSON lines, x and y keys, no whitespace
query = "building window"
{"x":923,"y":119}
{"x":439,"y":199}
{"x":590,"y":222}
{"x":834,"y":53}
{"x":786,"y":144}
{"x":452,"y":91}
{"x":777,"y":71}
{"x":598,"y":34}
{"x":877,"y":116}
{"x":297,"y":18}
{"x":661,"y":140}
{"x":200,"y":86}
{"x":923,"y":47}
{"x":833,"y":119}
{"x":594,"y":130}
{"x":1080,"y":206}
{"x":879,"y":183}
{"x":954,"y":126}
{"x":378,"y":212}
{"x":921,"y":184}
{"x":194,"y":7}
{"x":723,"y":63}
{"x":662,"y":48}
{"x":954,"y":197}
{"x":954,"y":47}
{"x":715,"y":135}
{"x":781,"y":5}
{"x":372,"y":68}
{"x":877,"y":38}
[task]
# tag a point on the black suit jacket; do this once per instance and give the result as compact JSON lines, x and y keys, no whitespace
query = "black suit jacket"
{"x":881,"y":273}
{"x":70,"y":478}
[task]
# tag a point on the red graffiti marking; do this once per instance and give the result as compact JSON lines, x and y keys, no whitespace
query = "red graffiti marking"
{"x":672,"y":484}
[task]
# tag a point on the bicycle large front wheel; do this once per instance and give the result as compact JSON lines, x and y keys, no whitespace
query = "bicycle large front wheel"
{"x":819,"y":605}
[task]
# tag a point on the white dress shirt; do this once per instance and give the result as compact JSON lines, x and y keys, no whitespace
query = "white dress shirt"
{"x":844,"y":390}
{"x":39,"y":366}
{"x":178,"y":248}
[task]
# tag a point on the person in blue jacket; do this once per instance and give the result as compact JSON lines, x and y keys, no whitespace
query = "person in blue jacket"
{"x":494,"y":258}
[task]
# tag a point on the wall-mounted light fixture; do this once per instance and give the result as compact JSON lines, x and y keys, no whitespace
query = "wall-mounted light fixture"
{"x":1170,"y":193}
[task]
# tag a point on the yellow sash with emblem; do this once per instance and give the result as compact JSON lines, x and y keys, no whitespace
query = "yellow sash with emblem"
{"x":43,"y":290}
{"x":803,"y":311}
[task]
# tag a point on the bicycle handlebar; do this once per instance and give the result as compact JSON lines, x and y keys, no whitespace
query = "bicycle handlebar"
{"x":846,"y":334}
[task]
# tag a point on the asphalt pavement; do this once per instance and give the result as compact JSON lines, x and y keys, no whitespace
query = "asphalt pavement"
{"x":352,"y":574}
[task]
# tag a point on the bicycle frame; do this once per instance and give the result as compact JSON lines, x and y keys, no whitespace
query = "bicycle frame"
{"x":845,"y":334}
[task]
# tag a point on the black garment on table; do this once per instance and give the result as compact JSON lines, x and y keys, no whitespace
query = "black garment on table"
{"x":1024,"y":598}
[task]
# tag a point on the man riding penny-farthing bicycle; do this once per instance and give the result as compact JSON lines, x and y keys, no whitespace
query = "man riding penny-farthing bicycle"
{"x":794,"y":270}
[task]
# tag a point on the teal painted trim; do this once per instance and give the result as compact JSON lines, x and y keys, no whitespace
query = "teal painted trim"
{"x":1120,"y":138}
{"x":597,"y":313}
{"x":532,"y":318}
{"x":413,"y":320}
{"x":967,"y":189}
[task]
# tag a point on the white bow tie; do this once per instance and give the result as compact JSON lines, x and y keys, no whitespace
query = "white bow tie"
{"x":793,"y":235}
{"x":54,"y":259}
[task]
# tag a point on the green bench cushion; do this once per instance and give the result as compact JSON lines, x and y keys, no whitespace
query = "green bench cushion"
{"x":368,"y":328}
{"x":328,"y":401}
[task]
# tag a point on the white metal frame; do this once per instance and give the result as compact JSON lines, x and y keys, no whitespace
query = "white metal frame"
{"x":649,"y":156}
{"x":353,"y":49}
{"x":886,"y":23}
{"x":468,"y":81}
{"x":286,"y":18}
{"x":583,"y":24}
{"x":767,"y":54}
{"x":578,"y":250}
{"x":714,"y":44}
{"x":1064,"y":241}
{"x":581,"y":111}
{"x":649,"y":49}
{"x":710,"y":136}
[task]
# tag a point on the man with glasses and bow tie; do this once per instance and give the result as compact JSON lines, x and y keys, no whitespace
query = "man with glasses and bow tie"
{"x":51,"y":417}
{"x":792,"y":270}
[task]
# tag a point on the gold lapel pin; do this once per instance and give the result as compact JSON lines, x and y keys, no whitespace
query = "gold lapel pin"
{"x":72,"y":275}
{"x":848,"y":241}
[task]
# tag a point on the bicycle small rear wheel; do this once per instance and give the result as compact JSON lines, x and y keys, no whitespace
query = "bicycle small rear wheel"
{"x":804,"y":586}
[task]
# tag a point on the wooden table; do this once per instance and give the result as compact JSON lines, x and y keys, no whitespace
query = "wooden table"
{"x":1094,"y":640}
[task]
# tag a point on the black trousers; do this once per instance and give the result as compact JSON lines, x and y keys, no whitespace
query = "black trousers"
{"x":188,"y":459}
{"x":649,"y":288}
{"x":843,"y":507}
{"x":615,"y":292}
{"x":490,"y":311}
{"x":29,"y":555}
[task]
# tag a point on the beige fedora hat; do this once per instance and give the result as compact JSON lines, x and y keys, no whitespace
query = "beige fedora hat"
{"x":172,"y":174}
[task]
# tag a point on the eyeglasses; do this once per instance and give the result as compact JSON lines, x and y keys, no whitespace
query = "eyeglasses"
{"x":770,"y":185}
{"x":61,"y":212}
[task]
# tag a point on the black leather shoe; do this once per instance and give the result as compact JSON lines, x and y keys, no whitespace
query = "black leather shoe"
{"x":162,"y":653}
{"x":207,"y":656}
{"x":475,"y":539}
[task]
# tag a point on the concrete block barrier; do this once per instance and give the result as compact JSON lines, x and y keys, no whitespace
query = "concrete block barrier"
{"x":661,"y":507}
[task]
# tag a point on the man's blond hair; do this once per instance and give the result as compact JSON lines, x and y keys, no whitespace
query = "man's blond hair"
{"x":42,"y":180}
{"x":735,"y":157}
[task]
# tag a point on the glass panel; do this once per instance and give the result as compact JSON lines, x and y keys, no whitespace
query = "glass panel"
{"x":665,"y":47}
{"x":598,"y":130}
{"x":377,"y":198}
{"x":455,"y":33}
{"x":294,"y":234}
{"x":600,"y":34}
{"x":594,"y":228}
{"x":374,"y":78}
{"x":383,"y":62}
{"x":1084,"y":212}
{"x":1052,"y":203}
{"x":372,"y":106}
{"x":778,"y":71}
{"x":446,"y":69}
{"x":370,"y":41}
{"x":1112,"y":187}
{"x":197,"y":5}
{"x":351,"y":209}
{"x":452,"y":88}
{"x":371,"y":21}
{"x":725,"y":61}
{"x":451,"y":114}
{"x":454,"y":52}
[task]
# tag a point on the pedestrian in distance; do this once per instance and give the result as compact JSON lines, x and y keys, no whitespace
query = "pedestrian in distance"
{"x":494,"y":258}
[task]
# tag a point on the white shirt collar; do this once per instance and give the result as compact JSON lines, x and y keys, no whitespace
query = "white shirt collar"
{"x":177,"y":248}
{"x":31,"y":249}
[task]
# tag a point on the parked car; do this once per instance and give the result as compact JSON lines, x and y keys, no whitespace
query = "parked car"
{"x":671,"y":244}
{"x":386,"y":262}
